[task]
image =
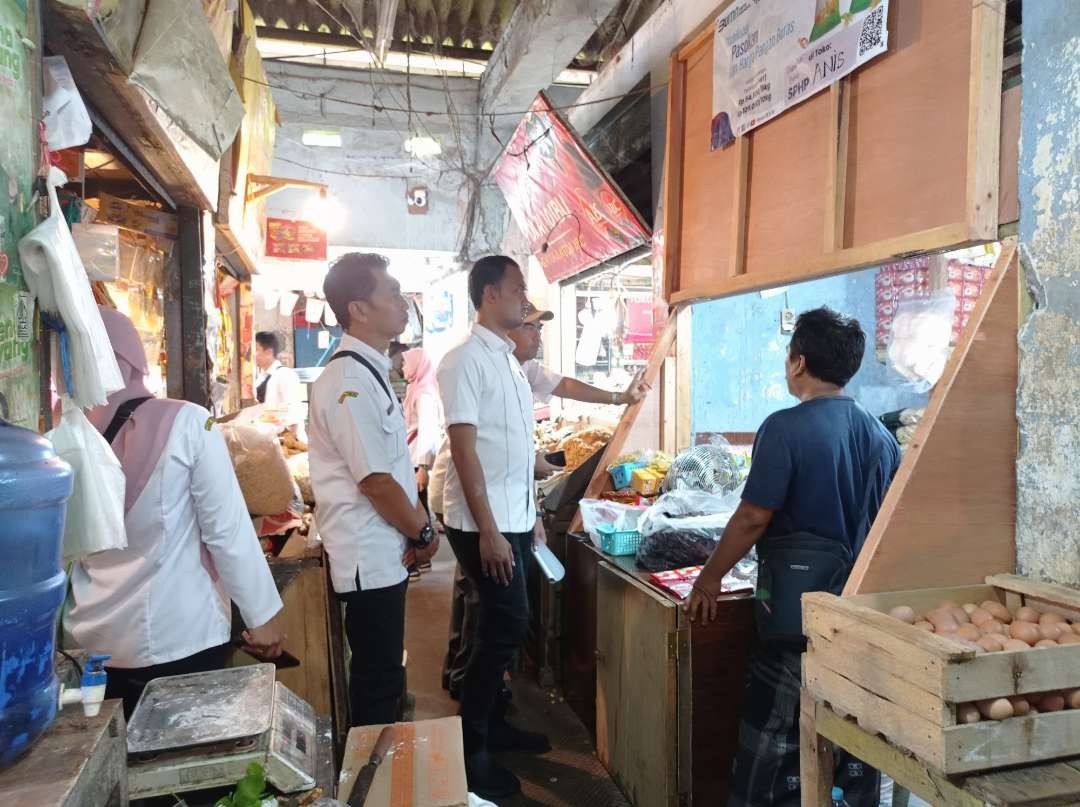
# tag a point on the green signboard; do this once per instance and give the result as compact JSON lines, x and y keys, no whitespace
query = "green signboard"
{"x":18,"y":332}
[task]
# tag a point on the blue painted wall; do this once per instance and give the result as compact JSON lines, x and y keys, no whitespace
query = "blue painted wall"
{"x":738,"y":354}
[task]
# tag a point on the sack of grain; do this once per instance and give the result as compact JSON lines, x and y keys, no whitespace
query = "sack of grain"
{"x":301,"y":473}
{"x":261,"y":469}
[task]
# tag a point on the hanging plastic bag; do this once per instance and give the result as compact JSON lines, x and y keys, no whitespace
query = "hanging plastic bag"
{"x":95,"y":511}
{"x":921,"y":336}
{"x":56,"y":277}
{"x":67,"y":123}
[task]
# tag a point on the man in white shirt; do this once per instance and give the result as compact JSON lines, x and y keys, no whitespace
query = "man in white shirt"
{"x":278,"y":385}
{"x":489,"y":510}
{"x":368,"y":513}
{"x":545,"y":384}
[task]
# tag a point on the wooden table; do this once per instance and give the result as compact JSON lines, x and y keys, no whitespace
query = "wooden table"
{"x":652,"y":668}
{"x":1047,"y":785}
{"x":78,"y":762}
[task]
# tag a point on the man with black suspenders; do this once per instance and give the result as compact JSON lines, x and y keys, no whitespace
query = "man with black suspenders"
{"x":368,"y":513}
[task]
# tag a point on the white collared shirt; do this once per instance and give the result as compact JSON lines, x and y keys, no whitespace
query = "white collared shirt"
{"x":156,"y":601}
{"x":285,"y":392}
{"x":356,"y":431}
{"x":483,"y":385}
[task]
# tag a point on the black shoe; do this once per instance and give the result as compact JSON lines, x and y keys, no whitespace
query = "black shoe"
{"x":504,"y":737}
{"x":488,"y":779}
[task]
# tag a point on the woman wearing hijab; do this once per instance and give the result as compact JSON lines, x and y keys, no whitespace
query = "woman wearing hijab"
{"x":160,"y":607}
{"x":423,"y":415}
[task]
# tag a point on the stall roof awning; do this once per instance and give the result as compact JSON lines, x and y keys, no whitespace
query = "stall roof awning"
{"x":170,"y":97}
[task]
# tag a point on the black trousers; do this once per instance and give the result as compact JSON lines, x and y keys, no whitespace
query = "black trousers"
{"x":128,"y":683}
{"x":464,"y":616}
{"x":503,"y":623}
{"x":375,"y":628}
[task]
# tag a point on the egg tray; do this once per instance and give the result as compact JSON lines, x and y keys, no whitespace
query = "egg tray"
{"x":907,"y":684}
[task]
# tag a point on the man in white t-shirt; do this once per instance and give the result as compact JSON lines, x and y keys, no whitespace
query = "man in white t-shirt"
{"x":545,"y":384}
{"x":277,"y":385}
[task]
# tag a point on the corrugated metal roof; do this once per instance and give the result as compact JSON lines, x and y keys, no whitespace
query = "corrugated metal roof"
{"x":473,"y":25}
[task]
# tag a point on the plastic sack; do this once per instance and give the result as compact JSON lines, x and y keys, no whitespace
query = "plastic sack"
{"x":261,"y":469}
{"x":921,"y":337}
{"x":56,"y":277}
{"x":683,"y":527}
{"x":99,"y":249}
{"x":67,"y":123}
{"x":597,"y":512}
{"x":95,"y":511}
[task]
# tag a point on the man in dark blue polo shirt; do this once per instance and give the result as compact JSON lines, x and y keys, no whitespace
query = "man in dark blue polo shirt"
{"x":821,"y":467}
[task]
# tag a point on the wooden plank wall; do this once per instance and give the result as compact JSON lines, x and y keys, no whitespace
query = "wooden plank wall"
{"x":900,"y":157}
{"x":949,"y":517}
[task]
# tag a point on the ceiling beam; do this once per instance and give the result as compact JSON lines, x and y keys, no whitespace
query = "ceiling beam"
{"x":384,"y":26}
{"x":541,"y":39}
{"x":647,"y":52}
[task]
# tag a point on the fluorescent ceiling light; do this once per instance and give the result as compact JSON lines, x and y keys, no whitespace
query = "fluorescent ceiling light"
{"x":324,"y":138}
{"x":422,"y":146}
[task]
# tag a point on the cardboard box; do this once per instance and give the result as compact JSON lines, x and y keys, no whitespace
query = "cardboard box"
{"x":425,"y":766}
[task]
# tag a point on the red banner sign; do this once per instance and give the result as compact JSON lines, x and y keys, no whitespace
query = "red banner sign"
{"x":296,"y":240}
{"x":573,"y":216}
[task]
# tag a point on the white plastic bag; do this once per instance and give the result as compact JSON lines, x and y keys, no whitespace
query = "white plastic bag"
{"x":99,"y":249}
{"x":67,"y":123}
{"x":55,"y":274}
{"x":921,"y":336}
{"x":690,"y":511}
{"x":95,"y":511}
{"x":596,"y":512}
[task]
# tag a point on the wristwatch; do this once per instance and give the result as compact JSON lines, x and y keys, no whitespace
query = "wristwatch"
{"x":616,"y":398}
{"x":426,"y":536}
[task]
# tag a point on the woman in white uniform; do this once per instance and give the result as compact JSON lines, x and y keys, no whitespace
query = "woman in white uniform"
{"x":161,"y":607}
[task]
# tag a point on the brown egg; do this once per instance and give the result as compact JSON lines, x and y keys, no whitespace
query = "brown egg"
{"x":1050,"y":618}
{"x":993,"y":626}
{"x":1052,"y":702}
{"x":969,"y":632}
{"x":1024,"y":631}
{"x":905,"y":613}
{"x":1016,"y":644}
{"x":1069,"y":638}
{"x":1035,"y":698}
{"x":946,"y":605}
{"x":1025,"y":614}
{"x":1072,"y":698}
{"x":979,"y":616}
{"x":968,"y":713}
{"x":1020,"y":705}
{"x":1046,"y":643}
{"x":922,"y":624}
{"x":992,"y":643}
{"x":943,"y":621}
{"x":997,"y":611}
{"x":1050,"y":630}
{"x":996,"y":708}
{"x":960,"y":615}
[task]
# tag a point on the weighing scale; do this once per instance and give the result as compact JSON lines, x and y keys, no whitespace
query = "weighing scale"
{"x":192,"y":732}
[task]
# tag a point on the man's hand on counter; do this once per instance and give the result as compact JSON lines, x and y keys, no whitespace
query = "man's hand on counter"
{"x":266,"y":640}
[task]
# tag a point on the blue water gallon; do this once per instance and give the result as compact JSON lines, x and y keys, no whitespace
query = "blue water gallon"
{"x":34,"y":488}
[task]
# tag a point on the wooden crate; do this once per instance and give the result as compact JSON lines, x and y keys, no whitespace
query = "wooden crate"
{"x":904,"y":683}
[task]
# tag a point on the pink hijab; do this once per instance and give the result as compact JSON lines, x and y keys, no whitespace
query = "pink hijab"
{"x":141,"y":441}
{"x":420,"y":378}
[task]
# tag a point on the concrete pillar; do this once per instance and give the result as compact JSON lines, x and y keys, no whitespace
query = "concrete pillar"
{"x":1048,"y":399}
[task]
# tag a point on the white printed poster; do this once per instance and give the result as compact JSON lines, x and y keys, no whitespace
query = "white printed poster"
{"x":769,"y":55}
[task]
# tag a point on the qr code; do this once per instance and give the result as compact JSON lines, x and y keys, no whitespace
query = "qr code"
{"x":873,"y":31}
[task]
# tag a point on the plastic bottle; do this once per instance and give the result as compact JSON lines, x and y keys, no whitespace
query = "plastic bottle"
{"x":34,"y":488}
{"x":838,"y":797}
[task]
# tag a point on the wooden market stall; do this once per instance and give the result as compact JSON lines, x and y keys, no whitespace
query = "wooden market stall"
{"x":909,"y":155}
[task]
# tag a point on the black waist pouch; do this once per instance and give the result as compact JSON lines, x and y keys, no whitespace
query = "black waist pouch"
{"x":788,"y":567}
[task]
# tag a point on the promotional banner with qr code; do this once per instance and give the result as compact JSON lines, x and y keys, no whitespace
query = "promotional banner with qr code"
{"x":769,"y":55}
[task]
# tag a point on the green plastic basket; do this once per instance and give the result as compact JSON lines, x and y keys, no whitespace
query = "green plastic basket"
{"x":618,"y":542}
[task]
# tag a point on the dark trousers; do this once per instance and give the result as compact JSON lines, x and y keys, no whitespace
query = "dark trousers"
{"x":375,"y":628}
{"x":464,"y":616}
{"x":128,"y":683}
{"x":766,"y":768}
{"x":503,"y":623}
